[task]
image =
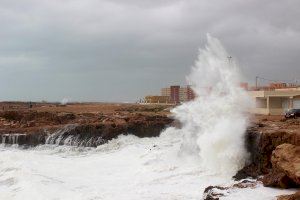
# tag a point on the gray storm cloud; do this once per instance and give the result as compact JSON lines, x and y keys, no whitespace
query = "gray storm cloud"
{"x":121,"y":50}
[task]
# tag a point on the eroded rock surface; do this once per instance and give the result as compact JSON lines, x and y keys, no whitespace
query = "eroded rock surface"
{"x":262,"y":138}
{"x":31,"y":127}
{"x":295,"y":196}
{"x":285,"y":171}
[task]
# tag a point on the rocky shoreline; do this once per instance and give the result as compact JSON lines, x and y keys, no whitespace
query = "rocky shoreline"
{"x":70,"y":129}
{"x":274,"y":144}
{"x":275,"y":153}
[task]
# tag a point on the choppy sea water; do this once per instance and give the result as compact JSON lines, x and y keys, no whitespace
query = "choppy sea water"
{"x":126,"y":168}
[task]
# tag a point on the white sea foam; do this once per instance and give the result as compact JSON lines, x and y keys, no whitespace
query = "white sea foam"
{"x":214,"y":123}
{"x":127,"y":168}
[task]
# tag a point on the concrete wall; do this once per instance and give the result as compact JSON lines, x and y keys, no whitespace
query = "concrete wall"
{"x":260,"y":111}
{"x":275,"y":102}
{"x":296,"y":102}
{"x":276,"y":111}
{"x":261,"y":102}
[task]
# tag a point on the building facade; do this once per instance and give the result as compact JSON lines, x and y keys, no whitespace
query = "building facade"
{"x":165,"y":92}
{"x":178,"y":94}
{"x":275,"y":102}
{"x":175,"y":96}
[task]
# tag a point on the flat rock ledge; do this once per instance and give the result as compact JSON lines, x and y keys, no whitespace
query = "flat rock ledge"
{"x":93,"y":131}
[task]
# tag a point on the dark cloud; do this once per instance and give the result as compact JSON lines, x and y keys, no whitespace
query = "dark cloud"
{"x":120,"y":50}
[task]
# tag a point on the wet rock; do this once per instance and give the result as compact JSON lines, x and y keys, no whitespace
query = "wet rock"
{"x":249,"y":171}
{"x":245,"y":184}
{"x":89,"y":131}
{"x":214,"y":192}
{"x":260,"y":142}
{"x":295,"y":196}
{"x":277,"y":179}
{"x":286,"y":167}
{"x":24,"y":139}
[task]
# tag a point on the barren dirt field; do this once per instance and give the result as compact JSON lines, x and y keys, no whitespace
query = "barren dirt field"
{"x":21,"y":117}
{"x":107,"y":109}
{"x":78,"y":108}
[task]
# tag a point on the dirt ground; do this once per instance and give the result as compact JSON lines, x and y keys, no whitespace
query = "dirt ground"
{"x":20,"y":117}
{"x":78,"y":108}
{"x":105,"y":108}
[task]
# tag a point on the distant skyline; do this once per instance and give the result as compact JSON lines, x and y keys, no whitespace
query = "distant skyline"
{"x":122,"y":50}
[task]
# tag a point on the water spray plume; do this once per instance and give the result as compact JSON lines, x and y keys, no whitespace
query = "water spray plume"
{"x":214,"y":123}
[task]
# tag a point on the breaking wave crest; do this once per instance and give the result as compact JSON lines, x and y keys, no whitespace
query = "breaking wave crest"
{"x":214,"y":123}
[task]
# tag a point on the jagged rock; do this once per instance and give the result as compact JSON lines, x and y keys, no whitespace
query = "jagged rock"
{"x":286,"y":158}
{"x":269,"y":141}
{"x":277,"y":179}
{"x":214,"y":192}
{"x":261,"y":140}
{"x":295,"y":196}
{"x":286,"y":167}
{"x":249,"y":171}
{"x":245,"y":184}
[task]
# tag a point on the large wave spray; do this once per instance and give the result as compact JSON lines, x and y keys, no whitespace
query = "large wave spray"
{"x":214,"y":123}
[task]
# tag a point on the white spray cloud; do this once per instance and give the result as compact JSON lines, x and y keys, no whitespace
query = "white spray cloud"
{"x":214,"y":124}
{"x":65,"y":101}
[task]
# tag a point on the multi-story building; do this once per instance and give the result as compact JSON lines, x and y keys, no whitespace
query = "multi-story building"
{"x":178,"y":94}
{"x":165,"y":92}
{"x":175,"y":93}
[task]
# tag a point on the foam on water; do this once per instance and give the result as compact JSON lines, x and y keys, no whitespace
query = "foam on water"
{"x":179,"y":164}
{"x":127,"y":168}
{"x":214,"y":123}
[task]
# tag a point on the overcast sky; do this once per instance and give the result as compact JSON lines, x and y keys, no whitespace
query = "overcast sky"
{"x":121,"y":50}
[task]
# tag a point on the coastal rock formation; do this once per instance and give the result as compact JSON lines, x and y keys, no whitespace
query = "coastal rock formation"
{"x":30,"y":128}
{"x":215,"y":192}
{"x":285,"y":167}
{"x":92,"y":135}
{"x":286,"y":158}
{"x":295,"y":196}
{"x":278,"y":179}
{"x":262,"y":138}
